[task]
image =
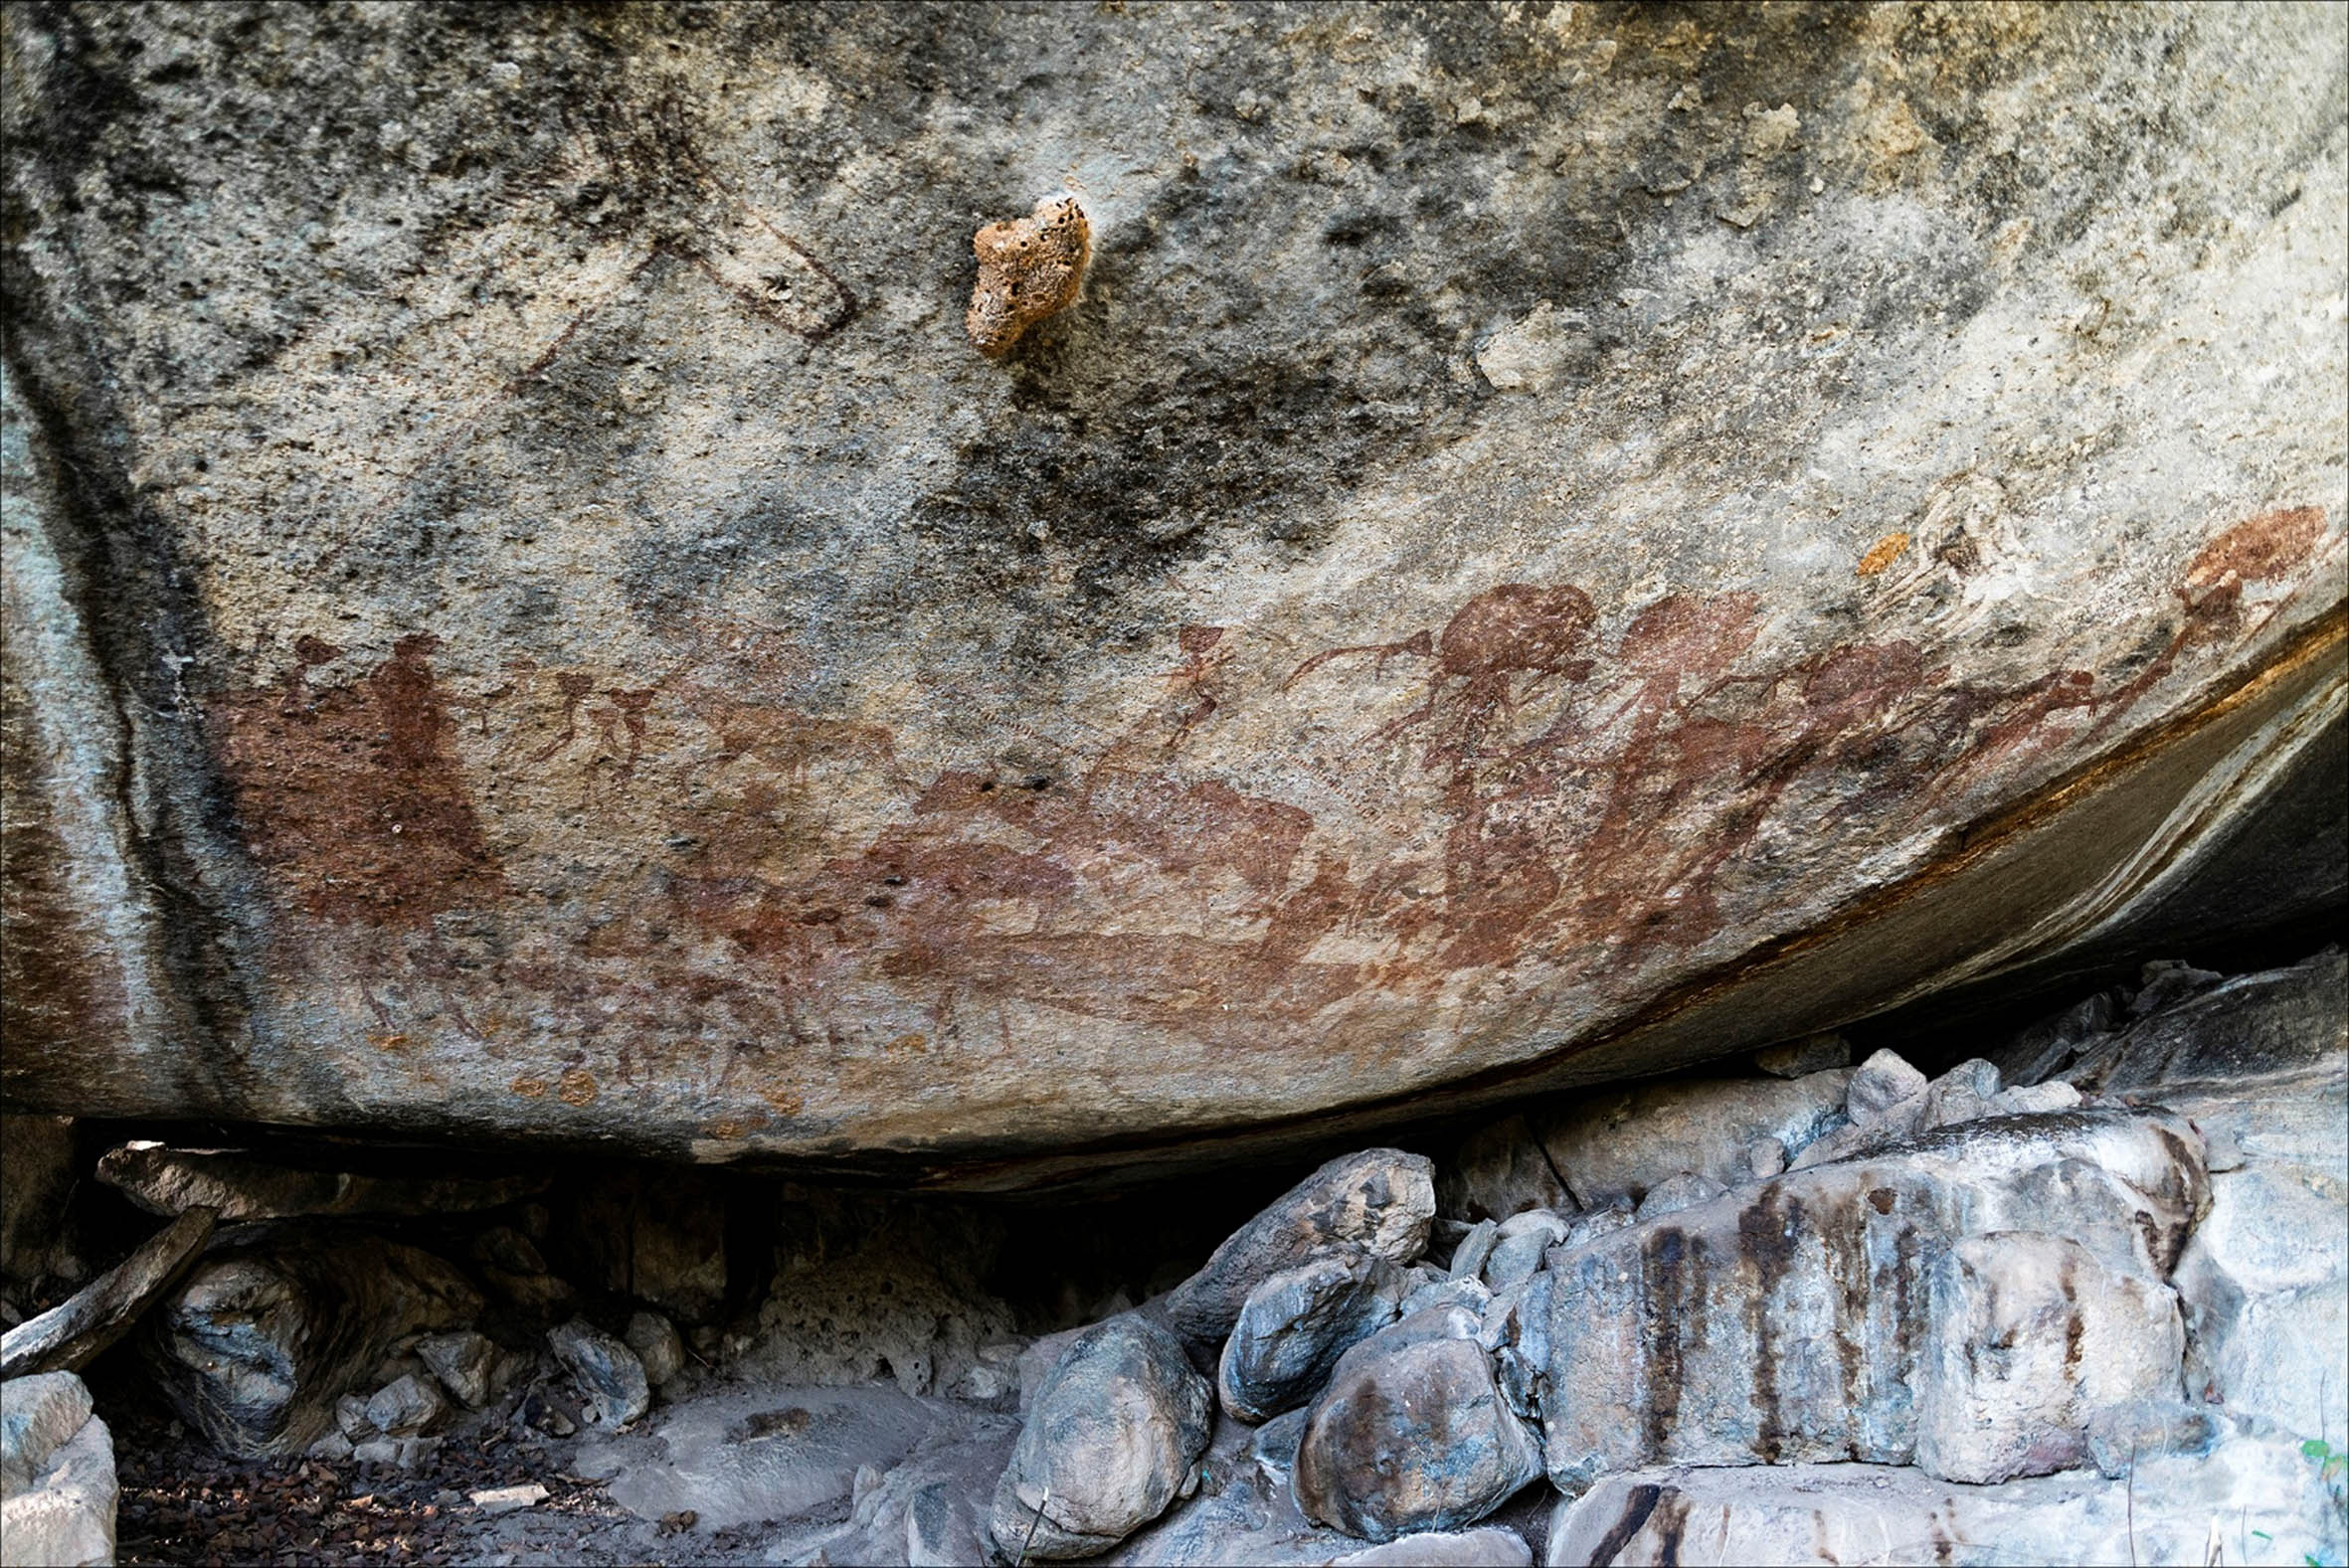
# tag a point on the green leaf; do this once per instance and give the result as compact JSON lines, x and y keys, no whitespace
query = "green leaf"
{"x":2315,"y":1448}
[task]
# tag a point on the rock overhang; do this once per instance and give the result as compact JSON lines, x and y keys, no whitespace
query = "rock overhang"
{"x":598,"y":659}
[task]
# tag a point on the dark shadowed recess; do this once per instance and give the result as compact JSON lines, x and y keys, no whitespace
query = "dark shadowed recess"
{"x":2270,"y":888}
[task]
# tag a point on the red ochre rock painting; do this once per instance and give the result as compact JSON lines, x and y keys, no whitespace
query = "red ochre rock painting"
{"x":350,"y":795}
{"x":1597,"y":804}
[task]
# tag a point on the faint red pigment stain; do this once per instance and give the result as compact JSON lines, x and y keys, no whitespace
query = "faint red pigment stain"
{"x":1598,"y":800}
{"x":350,"y":795}
{"x":2270,"y":546}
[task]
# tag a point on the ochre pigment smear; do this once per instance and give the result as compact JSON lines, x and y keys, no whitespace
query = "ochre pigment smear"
{"x":1029,"y":268}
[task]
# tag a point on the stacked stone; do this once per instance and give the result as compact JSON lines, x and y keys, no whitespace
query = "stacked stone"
{"x":1968,"y":1281}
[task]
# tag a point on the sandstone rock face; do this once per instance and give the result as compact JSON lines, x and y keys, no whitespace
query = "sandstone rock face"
{"x":1114,"y":1433}
{"x":1975,"y":1300}
{"x":1556,"y":541}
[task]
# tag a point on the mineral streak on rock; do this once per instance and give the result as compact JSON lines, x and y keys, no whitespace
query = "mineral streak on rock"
{"x":1029,"y":268}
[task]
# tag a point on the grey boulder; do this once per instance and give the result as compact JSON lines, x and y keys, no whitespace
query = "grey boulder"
{"x":2253,"y":1499}
{"x":1296,"y":1324}
{"x":405,"y":1406}
{"x":604,"y":1369}
{"x":654,"y":1339}
{"x":1967,"y":1091}
{"x":1115,"y":1433}
{"x":1492,"y":1546}
{"x":1878,"y":1083}
{"x":1381,"y":1200}
{"x":1524,"y":1239}
{"x":1620,"y":1144}
{"x":1413,"y":1433}
{"x":254,"y":1349}
{"x":1497,"y":1171}
{"x":37,"y":1415}
{"x":1684,"y":1191}
{"x":467,"y":1363}
{"x":58,"y":1488}
{"x":1824,"y":1315}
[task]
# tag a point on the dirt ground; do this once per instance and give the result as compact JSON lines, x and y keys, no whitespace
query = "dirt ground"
{"x":186,"y":1505}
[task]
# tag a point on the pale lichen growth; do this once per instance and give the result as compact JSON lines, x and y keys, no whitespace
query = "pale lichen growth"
{"x":1029,"y":268}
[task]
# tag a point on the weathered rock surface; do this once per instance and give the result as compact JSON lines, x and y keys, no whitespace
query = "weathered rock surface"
{"x":1115,"y":1433}
{"x":1296,"y":1324}
{"x":38,"y":1173}
{"x":1829,"y":1312}
{"x":2264,"y":1279}
{"x":1621,"y":1144}
{"x":405,"y":1406}
{"x":2033,"y":1340}
{"x":1413,"y":1433}
{"x":466,"y":1364}
{"x":1558,"y":543}
{"x":71,"y":1335}
{"x":1521,"y":1244}
{"x":654,"y":1341}
{"x":1379,"y":1201}
{"x":237,"y":1186}
{"x":1489,"y":1547}
{"x":269,"y":1330}
{"x":894,"y":1297}
{"x":1243,"y":1512}
{"x":740,"y":1454}
{"x":2279,"y":1021}
{"x":56,"y":1475}
{"x":1497,"y":1171}
{"x":38,"y":1414}
{"x":2249,"y":1500}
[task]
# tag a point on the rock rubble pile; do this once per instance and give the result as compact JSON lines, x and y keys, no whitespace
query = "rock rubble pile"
{"x":2092,"y":1280}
